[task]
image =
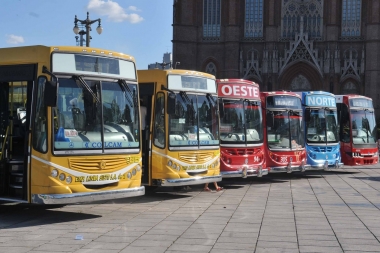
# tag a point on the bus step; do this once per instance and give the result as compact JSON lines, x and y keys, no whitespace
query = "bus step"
{"x":15,"y":177}
{"x":14,"y":186}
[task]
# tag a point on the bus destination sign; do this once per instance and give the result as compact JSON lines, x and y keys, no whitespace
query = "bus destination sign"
{"x":361,"y":102}
{"x":239,"y":90}
{"x":283,"y":102}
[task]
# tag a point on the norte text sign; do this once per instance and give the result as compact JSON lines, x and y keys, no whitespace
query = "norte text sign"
{"x":320,"y":101}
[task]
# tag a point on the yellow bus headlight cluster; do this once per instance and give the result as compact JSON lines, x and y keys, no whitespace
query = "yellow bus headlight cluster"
{"x":62,"y":176}
{"x":174,"y":165}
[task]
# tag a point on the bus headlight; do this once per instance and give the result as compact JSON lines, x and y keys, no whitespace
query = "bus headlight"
{"x":138,"y":167}
{"x":129,"y":175}
{"x":54,"y":173}
{"x":212,"y":165}
{"x":170,"y":163}
{"x":134,"y":172}
{"x":62,"y":176}
{"x":228,"y":160}
{"x":69,"y":179}
{"x":178,"y":167}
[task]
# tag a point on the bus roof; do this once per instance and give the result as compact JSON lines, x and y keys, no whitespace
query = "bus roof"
{"x":273,"y":93}
{"x":38,"y":53}
{"x":150,"y":75}
{"x":339,"y":98}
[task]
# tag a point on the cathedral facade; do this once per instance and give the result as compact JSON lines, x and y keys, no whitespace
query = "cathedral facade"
{"x":297,"y":45}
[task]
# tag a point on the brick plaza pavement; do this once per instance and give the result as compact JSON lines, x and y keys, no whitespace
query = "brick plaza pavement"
{"x":337,"y":211}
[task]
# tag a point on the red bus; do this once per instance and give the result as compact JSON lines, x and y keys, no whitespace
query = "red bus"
{"x":283,"y":132}
{"x":357,"y":130}
{"x":241,"y":129}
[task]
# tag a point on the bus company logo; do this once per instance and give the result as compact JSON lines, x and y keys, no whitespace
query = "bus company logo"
{"x":256,"y":159}
{"x":284,"y":159}
{"x":103,"y":165}
{"x":297,"y":155}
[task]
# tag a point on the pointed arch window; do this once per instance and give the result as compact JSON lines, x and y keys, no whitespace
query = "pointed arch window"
{"x":351,"y":18}
{"x":211,"y":68}
{"x":300,"y":83}
{"x":349,"y":88}
{"x":310,"y":10}
{"x":211,"y":18}
{"x":253,"y":26}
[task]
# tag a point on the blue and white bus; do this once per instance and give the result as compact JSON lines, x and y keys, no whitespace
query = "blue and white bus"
{"x":321,"y":130}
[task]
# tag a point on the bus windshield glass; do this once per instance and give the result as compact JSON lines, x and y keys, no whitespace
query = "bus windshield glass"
{"x":95,"y":115}
{"x":195,"y":121}
{"x":322,"y":126}
{"x":241,"y":122}
{"x":284,"y":129}
{"x":363,"y":126}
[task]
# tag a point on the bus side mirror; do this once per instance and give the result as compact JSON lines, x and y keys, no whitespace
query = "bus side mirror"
{"x":307,"y":115}
{"x":51,"y":93}
{"x":171,"y":103}
{"x":270,"y":119}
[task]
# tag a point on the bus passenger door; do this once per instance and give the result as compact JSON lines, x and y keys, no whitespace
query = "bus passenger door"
{"x":14,"y":125}
{"x":146,"y":91}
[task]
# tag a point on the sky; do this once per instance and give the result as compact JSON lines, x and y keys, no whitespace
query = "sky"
{"x":140,"y":28}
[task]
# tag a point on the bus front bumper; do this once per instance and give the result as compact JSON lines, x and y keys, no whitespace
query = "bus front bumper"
{"x":86,"y":196}
{"x":290,"y":168}
{"x":245,"y":173}
{"x":326,"y":166}
{"x":190,"y":181}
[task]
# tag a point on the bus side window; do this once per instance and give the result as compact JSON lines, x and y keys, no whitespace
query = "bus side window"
{"x":159,"y":121}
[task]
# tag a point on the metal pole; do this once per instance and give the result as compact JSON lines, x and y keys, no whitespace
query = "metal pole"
{"x":88,"y":28}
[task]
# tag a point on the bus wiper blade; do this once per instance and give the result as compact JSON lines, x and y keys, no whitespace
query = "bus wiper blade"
{"x":124,"y":86}
{"x":186,"y":99}
{"x":85,"y":85}
{"x":210,"y":98}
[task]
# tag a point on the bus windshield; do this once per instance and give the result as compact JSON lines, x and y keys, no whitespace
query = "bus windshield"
{"x":285,"y":131}
{"x":195,"y":121}
{"x":322,"y":126}
{"x":96,"y":115}
{"x":241,"y":122}
{"x":363,"y":126}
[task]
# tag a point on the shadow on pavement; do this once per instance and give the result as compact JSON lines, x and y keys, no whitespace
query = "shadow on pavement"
{"x":25,"y":215}
{"x":368,"y":178}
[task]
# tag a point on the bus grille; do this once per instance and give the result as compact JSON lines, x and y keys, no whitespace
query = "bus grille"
{"x":195,"y":157}
{"x":242,"y":151}
{"x":96,"y":164}
{"x":322,"y":149}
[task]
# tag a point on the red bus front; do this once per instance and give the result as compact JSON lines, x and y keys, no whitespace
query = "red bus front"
{"x":241,"y":129}
{"x":283,"y":132}
{"x":357,"y":130}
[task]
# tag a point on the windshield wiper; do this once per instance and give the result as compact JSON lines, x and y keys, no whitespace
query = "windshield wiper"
{"x":86,"y":86}
{"x":210,"y":98}
{"x":125,"y":88}
{"x":188,"y":102}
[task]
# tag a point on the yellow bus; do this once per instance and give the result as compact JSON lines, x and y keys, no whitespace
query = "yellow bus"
{"x":181,"y":134}
{"x":69,"y":125}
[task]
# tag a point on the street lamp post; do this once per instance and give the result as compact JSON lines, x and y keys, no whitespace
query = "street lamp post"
{"x":87,"y":22}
